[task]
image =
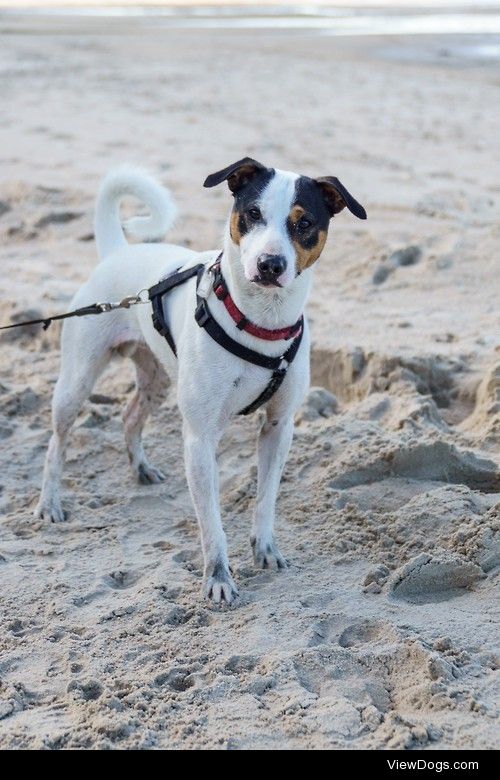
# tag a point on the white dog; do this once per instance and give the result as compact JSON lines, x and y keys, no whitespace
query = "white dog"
{"x":248,"y":308}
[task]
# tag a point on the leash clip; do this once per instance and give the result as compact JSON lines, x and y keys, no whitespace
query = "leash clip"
{"x":125,"y":303}
{"x":129,"y":301}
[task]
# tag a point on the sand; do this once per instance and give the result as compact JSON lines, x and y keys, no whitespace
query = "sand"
{"x":383,"y":631}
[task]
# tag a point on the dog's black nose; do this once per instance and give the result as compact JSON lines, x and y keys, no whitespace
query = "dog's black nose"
{"x":271,"y":266}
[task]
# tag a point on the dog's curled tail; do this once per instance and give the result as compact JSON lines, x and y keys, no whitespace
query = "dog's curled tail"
{"x":131,"y":182}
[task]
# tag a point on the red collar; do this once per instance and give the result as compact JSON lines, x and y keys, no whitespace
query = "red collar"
{"x":242,"y":323}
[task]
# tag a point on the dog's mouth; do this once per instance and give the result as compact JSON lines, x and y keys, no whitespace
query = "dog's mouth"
{"x":263,"y":282}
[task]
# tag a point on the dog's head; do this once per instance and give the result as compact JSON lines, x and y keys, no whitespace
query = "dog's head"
{"x":279,"y":219}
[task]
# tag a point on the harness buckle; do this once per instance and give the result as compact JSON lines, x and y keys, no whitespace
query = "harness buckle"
{"x":202,"y":313}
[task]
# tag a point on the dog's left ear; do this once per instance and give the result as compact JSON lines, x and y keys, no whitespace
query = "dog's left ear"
{"x":237,"y":175}
{"x":337,"y":197}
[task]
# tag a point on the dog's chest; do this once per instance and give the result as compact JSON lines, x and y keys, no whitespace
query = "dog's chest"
{"x":216,"y":384}
{"x":246,"y":384}
{"x":239,"y":385}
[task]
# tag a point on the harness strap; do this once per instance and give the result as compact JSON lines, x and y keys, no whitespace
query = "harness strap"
{"x":157,"y":292}
{"x":204,"y":318}
{"x":277,"y":378}
{"x":273,"y":385}
{"x":174,"y":280}
{"x":278,"y":365}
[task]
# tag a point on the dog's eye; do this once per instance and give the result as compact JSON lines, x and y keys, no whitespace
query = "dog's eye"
{"x":304,"y":223}
{"x":254,"y":214}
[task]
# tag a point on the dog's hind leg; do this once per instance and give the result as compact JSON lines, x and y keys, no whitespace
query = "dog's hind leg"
{"x":80,"y":368}
{"x":151,"y":381}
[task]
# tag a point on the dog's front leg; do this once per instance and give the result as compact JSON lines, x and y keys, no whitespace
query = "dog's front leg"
{"x":203,"y":481}
{"x":274,"y":442}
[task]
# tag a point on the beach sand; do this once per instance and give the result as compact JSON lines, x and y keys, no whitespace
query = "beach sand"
{"x":382,"y":632}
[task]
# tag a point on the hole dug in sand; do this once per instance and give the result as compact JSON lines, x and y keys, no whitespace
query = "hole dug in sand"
{"x":484,"y":422}
{"x":353,"y":374}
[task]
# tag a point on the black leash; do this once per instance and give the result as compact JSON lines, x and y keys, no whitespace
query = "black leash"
{"x":93,"y":308}
{"x":278,"y":365}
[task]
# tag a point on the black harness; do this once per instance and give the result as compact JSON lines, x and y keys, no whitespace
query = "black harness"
{"x":203,"y":316}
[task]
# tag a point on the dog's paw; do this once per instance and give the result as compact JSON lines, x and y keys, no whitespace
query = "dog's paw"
{"x":266,"y":554}
{"x":149,"y":475}
{"x":50,"y":509}
{"x":219,"y":585}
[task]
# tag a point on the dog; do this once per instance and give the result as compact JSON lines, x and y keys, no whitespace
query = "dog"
{"x":275,"y":233}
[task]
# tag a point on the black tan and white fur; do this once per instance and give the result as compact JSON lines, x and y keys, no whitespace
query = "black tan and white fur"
{"x":275,"y":232}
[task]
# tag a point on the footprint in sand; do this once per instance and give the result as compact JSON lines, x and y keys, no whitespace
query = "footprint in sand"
{"x":121,"y":579}
{"x":339,"y":630}
{"x":58,"y":218}
{"x":178,"y":616}
{"x":88,"y":598}
{"x":362,"y":633}
{"x":405,"y":257}
{"x":178,"y":679}
{"x":88,"y":690}
{"x":239,"y":664}
{"x":169,"y":594}
{"x":187,"y":559}
{"x":163,"y":545}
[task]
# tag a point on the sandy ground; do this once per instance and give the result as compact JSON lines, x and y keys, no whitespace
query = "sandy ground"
{"x":382,"y":632}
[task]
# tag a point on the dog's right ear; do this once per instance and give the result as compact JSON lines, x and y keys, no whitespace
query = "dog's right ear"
{"x":237,"y":175}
